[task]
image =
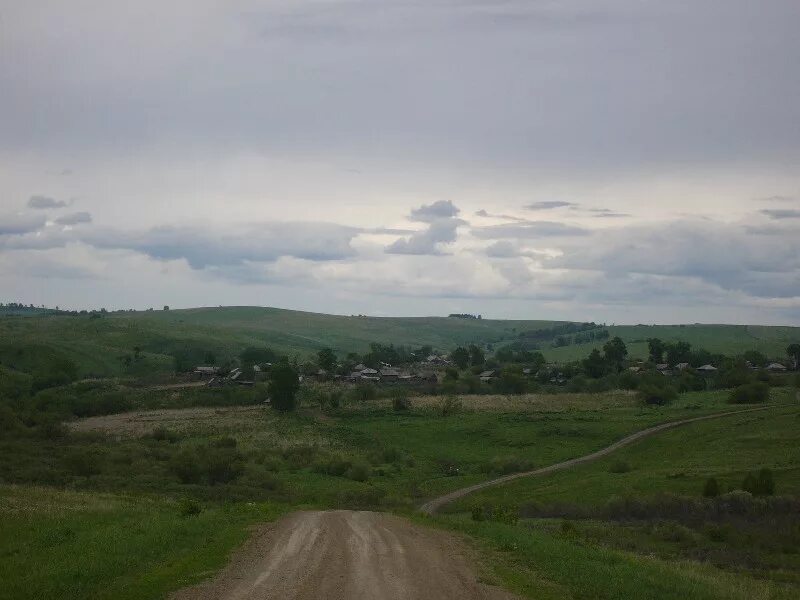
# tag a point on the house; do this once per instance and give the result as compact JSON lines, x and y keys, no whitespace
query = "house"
{"x":359,"y":367}
{"x":634,"y":369}
{"x":776,"y":367}
{"x":206,"y":371}
{"x":389,"y":374}
{"x":682,"y":366}
{"x":662,"y":367}
{"x":369,"y":375}
{"x":707,"y":369}
{"x":487,"y":376}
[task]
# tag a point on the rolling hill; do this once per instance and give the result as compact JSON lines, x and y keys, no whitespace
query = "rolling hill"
{"x":99,"y":344}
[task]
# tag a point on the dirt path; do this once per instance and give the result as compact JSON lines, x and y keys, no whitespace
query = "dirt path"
{"x":434,"y":505}
{"x":347,"y":555}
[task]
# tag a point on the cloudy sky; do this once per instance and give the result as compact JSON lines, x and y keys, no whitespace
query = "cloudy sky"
{"x":611,"y":160}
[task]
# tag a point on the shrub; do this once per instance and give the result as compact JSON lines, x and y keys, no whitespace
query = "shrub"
{"x":189,"y":508}
{"x":450,"y":406}
{"x":82,"y":462}
{"x":762,"y":484}
{"x":358,"y":471}
{"x":711,"y":488}
{"x":162,"y":434}
{"x":364,"y":392}
{"x":750,"y":393}
{"x":207,"y":463}
{"x":477,"y":513}
{"x":506,"y":465}
{"x":400,"y":400}
{"x":656,"y":393}
{"x":619,"y":466}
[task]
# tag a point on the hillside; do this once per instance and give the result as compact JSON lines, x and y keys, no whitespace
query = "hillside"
{"x":101,"y":345}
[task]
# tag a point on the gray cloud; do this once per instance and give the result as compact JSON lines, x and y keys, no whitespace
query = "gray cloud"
{"x":41,"y":202}
{"x":204,"y":247}
{"x":782,"y":213}
{"x":428,"y":241}
{"x":720,"y":254}
{"x":74,"y":218}
{"x":484,"y":213}
{"x":528,"y":230}
{"x":20,"y":224}
{"x":549,"y":205}
{"x":507,"y":249}
{"x":443,"y":209}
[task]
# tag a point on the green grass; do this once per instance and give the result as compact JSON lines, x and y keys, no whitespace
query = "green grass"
{"x":722,"y":339}
{"x":677,"y":461}
{"x":99,"y":345}
{"x":545,"y":565}
{"x":59,"y":544}
{"x":97,"y":543}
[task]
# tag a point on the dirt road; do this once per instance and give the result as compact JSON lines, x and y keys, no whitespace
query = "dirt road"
{"x":347,"y":555}
{"x":434,"y":505}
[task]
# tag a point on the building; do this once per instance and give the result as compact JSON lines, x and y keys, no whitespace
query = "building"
{"x":708,"y":369}
{"x":776,"y":367}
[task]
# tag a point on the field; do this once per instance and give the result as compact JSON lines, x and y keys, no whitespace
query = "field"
{"x":122,"y":530}
{"x":121,"y":481}
{"x":102,"y":346}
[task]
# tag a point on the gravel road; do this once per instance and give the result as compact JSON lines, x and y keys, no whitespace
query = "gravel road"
{"x":347,"y":555}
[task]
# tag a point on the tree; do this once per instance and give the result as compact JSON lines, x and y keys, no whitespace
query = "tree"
{"x":711,"y":488}
{"x":615,"y":352}
{"x":460,"y":356}
{"x":595,"y":365}
{"x":476,"y":356}
{"x":678,"y":352}
{"x":657,"y":349}
{"x":166,"y":307}
{"x":283,"y":386}
{"x":793,"y":350}
{"x":326,"y":359}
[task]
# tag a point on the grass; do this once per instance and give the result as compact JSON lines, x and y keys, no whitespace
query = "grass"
{"x":677,"y":461}
{"x":119,"y":533}
{"x":723,"y":339}
{"x":61,"y":544}
{"x":545,"y":565}
{"x":101,"y":346}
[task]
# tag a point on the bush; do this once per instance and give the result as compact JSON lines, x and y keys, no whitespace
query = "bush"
{"x":506,"y":465}
{"x":400,"y":400}
{"x":450,"y":406}
{"x":364,"y":392}
{"x":208,"y":464}
{"x":619,"y":466}
{"x":189,"y":508}
{"x":656,"y":393}
{"x":711,"y":488}
{"x":762,"y":484}
{"x":358,"y":471}
{"x":750,"y":393}
{"x":162,"y":434}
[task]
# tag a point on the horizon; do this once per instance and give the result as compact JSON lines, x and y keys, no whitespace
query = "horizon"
{"x":383,"y":316}
{"x":616,"y":160}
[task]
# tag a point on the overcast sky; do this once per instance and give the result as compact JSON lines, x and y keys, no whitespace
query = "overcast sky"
{"x":610,"y":160}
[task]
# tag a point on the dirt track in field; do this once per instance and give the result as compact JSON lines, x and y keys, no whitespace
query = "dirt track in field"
{"x":432,"y":506}
{"x":347,"y":555}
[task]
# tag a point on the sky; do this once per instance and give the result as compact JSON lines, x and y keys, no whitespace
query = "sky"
{"x":620,"y":161}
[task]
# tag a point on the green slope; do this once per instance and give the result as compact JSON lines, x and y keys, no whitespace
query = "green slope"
{"x":100,"y":345}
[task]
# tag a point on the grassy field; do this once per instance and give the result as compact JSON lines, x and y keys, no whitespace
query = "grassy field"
{"x":100,"y":345}
{"x":62,"y":544}
{"x":722,"y":339}
{"x":101,"y":506}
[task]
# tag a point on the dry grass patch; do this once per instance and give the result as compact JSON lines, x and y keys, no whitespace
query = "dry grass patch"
{"x":535,"y":402}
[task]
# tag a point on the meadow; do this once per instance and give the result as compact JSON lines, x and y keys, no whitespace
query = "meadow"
{"x":122,"y":481}
{"x":105,"y":344}
{"x":116,"y":517}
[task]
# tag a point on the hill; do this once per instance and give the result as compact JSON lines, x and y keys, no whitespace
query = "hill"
{"x":103,"y":344}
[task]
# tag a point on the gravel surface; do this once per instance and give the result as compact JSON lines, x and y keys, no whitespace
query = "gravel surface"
{"x":347,"y":555}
